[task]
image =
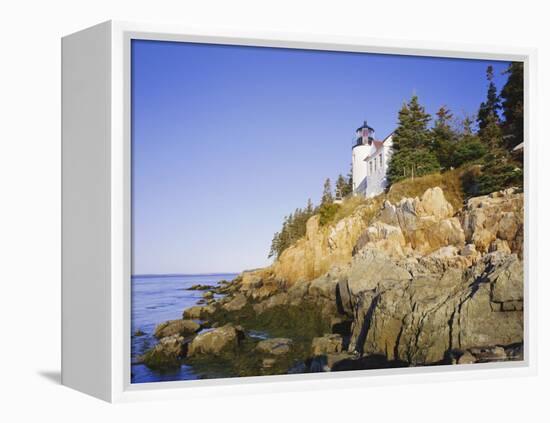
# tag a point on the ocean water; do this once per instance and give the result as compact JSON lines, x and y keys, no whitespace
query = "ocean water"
{"x":155,"y":299}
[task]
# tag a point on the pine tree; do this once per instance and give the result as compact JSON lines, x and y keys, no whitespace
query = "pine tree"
{"x":412,"y":131}
{"x":488,"y":115}
{"x":342,"y":187}
{"x":293,"y":228}
{"x":412,"y":142}
{"x":444,"y":138}
{"x":466,"y":126}
{"x":327,"y":197}
{"x":499,"y":169}
{"x":275,"y":245}
{"x":349,"y":188}
{"x":309,"y":208}
{"x":468,"y":147}
{"x":512,"y":105}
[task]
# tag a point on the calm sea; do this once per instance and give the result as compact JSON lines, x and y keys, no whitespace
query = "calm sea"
{"x":155,"y":299}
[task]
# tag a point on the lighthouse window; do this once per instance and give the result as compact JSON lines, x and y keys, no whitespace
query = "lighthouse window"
{"x":380,"y":156}
{"x":370,"y":168}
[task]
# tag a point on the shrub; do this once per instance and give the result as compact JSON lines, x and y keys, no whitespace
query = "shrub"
{"x":327,"y":212}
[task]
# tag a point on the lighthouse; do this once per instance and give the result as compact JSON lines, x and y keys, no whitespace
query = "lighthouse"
{"x":364,"y":137}
{"x":369,"y":162}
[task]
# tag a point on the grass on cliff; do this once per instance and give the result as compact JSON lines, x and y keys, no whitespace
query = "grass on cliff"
{"x":349,"y":206}
{"x":450,"y":182}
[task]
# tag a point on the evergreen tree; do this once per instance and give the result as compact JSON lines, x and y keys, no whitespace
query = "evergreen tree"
{"x":328,"y":208}
{"x":293,"y":228}
{"x":412,"y":154}
{"x":349,"y":187}
{"x":488,"y":115}
{"x":327,"y":197}
{"x":468,"y":147}
{"x":498,"y":168}
{"x":512,"y":105}
{"x":342,"y":186}
{"x":444,"y":138}
{"x":412,"y":163}
{"x":466,"y":126}
{"x":275,"y":245}
{"x":310,"y":209}
{"x":412,"y":131}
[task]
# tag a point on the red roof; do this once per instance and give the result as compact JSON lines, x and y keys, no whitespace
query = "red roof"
{"x":378,"y":145}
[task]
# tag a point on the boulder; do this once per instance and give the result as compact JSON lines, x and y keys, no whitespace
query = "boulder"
{"x":433,"y":203}
{"x":330,"y":343}
{"x":499,"y":215}
{"x":179,"y":327}
{"x":372,"y":268}
{"x":167,"y":353}
{"x":208,"y":295}
{"x":258,"y":284}
{"x":466,"y":358}
{"x":508,"y":279}
{"x":323,"y":287}
{"x":274,"y":346}
{"x":199,"y":311}
{"x":273,"y":301}
{"x":236,"y":303}
{"x":499,"y":245}
{"x":216,"y":341}
{"x":489,"y":354}
{"x":199,"y":287}
{"x":446,"y":257}
{"x":469,"y":250}
{"x":384,"y":237}
{"x":427,"y":223}
{"x":297,"y":292}
{"x":251,"y":279}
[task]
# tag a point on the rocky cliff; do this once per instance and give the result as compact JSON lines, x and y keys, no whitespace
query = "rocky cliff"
{"x":420,"y":280}
{"x":410,"y":283}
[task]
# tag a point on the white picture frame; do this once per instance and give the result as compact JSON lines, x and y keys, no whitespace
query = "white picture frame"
{"x":96,"y":213}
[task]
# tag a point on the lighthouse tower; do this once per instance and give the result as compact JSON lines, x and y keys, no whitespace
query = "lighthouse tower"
{"x":364,"y":137}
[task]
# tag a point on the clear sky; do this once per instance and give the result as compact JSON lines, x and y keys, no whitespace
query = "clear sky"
{"x":227,"y":140}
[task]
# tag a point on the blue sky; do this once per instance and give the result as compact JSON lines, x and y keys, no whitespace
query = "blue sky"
{"x":227,"y":140}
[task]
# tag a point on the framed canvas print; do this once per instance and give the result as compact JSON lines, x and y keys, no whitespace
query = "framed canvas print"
{"x":252,"y":212}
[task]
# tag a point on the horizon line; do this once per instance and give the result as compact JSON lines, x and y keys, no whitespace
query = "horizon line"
{"x":147,"y":275}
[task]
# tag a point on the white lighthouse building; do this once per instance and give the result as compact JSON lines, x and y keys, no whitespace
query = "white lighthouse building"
{"x":369,"y":162}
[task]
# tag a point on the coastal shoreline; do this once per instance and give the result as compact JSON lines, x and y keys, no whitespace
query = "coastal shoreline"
{"x":414,"y":283}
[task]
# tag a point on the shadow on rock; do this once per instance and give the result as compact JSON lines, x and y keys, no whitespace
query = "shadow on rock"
{"x":375,"y":361}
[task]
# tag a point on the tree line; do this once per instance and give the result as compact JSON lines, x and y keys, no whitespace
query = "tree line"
{"x":294,"y":224}
{"x":419,"y":149}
